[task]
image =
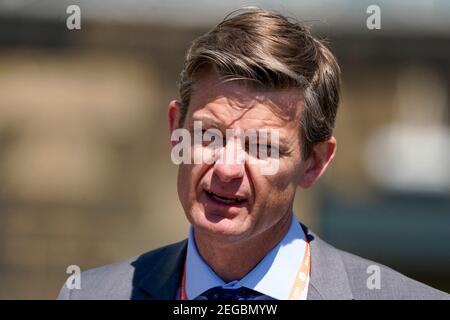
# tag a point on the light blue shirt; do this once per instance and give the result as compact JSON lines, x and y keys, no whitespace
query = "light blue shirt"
{"x":273,"y":276}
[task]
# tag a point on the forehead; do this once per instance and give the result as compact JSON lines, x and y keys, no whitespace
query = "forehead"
{"x":230,"y":104}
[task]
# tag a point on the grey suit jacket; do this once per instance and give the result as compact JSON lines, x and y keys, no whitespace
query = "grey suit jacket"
{"x":335,"y":274}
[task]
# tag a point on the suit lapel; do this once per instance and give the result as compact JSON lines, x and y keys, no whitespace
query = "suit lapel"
{"x":329,"y":279}
{"x":164,"y":273}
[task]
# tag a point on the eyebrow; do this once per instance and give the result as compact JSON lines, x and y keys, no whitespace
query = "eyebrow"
{"x":206,"y":121}
{"x":282,"y":141}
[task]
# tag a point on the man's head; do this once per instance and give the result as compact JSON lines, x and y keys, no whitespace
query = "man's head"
{"x":256,"y":70}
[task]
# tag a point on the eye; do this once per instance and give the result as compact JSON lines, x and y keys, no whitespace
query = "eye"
{"x":205,"y":142}
{"x":260,"y":151}
{"x":210,"y":136}
{"x":264,"y":150}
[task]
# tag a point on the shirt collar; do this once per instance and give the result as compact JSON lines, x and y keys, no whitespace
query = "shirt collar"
{"x":272,"y":276}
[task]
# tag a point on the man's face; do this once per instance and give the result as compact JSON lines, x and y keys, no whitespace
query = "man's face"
{"x":206,"y":191}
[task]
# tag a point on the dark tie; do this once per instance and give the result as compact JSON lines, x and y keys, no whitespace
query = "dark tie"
{"x":219,"y":293}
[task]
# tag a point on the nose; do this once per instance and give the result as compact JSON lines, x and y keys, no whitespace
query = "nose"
{"x":228,"y":172}
{"x":231,"y":164}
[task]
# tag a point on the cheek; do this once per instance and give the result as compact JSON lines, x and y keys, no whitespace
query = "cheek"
{"x":278,"y":187}
{"x":189,"y":178}
{"x":182,"y":186}
{"x":185,"y":183}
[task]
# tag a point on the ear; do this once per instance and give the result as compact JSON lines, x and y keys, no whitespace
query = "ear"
{"x":173,"y":118}
{"x":317,"y":162}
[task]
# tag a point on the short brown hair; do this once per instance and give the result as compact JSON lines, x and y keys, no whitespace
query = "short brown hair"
{"x":267,"y":50}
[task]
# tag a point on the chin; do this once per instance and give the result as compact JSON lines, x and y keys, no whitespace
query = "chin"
{"x":218,"y":225}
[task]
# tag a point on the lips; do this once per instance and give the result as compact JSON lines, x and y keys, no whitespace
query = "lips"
{"x":226,"y":199}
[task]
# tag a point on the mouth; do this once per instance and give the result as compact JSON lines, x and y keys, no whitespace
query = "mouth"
{"x":225,"y":200}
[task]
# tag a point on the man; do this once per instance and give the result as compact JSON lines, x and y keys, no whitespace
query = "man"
{"x":254,"y":71}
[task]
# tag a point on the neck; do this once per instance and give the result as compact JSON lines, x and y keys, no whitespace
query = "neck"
{"x":243,"y":255}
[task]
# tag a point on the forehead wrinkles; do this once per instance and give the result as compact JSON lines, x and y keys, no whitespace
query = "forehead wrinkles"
{"x":271,"y":108}
{"x":210,"y":86}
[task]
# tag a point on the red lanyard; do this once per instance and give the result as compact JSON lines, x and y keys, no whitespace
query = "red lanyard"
{"x":301,"y":278}
{"x":183,"y":295}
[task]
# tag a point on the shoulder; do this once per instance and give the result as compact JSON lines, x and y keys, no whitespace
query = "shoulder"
{"x":372,"y":280}
{"x":118,"y":280}
{"x":340,"y":274}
